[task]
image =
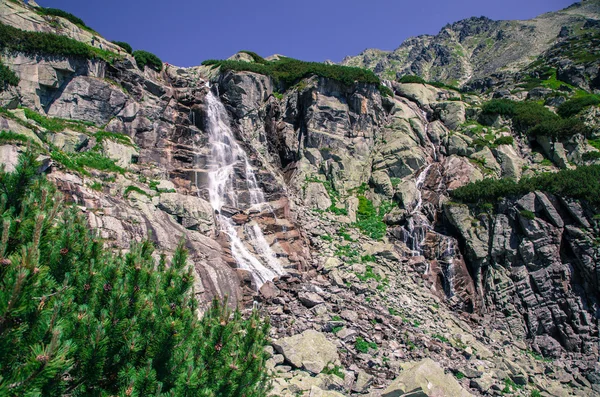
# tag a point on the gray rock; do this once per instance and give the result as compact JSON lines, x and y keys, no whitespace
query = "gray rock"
{"x":427,"y":378}
{"x":308,"y":349}
{"x":316,"y":196}
{"x":310,"y":299}
{"x":192,"y":212}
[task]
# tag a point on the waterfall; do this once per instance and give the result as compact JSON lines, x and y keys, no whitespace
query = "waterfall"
{"x":226,"y":157}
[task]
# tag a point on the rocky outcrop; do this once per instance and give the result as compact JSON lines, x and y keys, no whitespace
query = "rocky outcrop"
{"x":533,"y":266}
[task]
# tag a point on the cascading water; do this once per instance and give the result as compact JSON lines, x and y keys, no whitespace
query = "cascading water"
{"x":226,"y":157}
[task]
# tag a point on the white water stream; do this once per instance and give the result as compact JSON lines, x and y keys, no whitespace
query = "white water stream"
{"x":226,"y":157}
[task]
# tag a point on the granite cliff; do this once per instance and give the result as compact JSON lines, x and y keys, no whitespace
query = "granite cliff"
{"x":388,"y":285}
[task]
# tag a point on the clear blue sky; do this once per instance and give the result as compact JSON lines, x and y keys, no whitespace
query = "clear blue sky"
{"x":185,"y":33}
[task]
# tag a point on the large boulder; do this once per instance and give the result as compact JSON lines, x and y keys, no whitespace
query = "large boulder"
{"x":316,"y":196}
{"x":122,"y":155}
{"x":309,"y":350}
{"x":425,"y":378}
{"x":192,"y":212}
{"x":452,"y":113}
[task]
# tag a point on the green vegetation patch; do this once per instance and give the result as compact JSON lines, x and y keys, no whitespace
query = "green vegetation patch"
{"x":135,"y":189}
{"x":406,"y":79}
{"x":257,"y":58}
{"x":42,"y":43}
{"x":55,"y":12}
{"x":7,"y":77}
{"x":370,"y":219}
{"x":363,"y":346}
{"x":56,"y":124}
{"x":91,"y":159}
{"x":581,"y":183}
{"x":124,"y":46}
{"x":121,"y":324}
{"x":113,"y":136}
{"x":574,"y":106}
{"x":145,"y":58}
{"x":334,"y":370}
{"x":532,"y":118}
{"x":289,"y":71}
{"x":12,"y":137}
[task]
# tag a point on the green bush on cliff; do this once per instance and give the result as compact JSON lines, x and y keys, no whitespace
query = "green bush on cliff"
{"x":411,"y":79}
{"x":77,"y":319}
{"x":532,"y":118}
{"x":48,"y":44}
{"x":574,"y":106}
{"x":257,"y":58}
{"x":582,"y":183}
{"x":63,"y":14}
{"x":143,"y":58}
{"x":124,"y":46}
{"x":7,"y":77}
{"x":289,"y":71}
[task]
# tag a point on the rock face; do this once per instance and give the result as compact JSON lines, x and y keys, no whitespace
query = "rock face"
{"x":536,"y":272}
{"x":389,"y":286}
{"x":424,"y":378}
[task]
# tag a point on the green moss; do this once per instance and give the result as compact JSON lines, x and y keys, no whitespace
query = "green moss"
{"x":120,"y":138}
{"x":528,"y":214}
{"x":135,"y":189}
{"x":505,"y":140}
{"x":368,"y":275}
{"x":363,"y":346}
{"x":96,"y":186}
{"x":439,"y":337}
{"x":56,"y":124}
{"x":11,"y":137}
{"x":335,"y":370}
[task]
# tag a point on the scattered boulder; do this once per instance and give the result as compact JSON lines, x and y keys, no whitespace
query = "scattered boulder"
{"x":309,"y":350}
{"x":425,"y":377}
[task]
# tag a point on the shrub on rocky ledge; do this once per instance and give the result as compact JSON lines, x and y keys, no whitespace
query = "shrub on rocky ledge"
{"x":63,"y":14}
{"x":124,"y":46}
{"x":143,"y":58}
{"x":532,"y":118}
{"x":582,"y":183}
{"x":50,"y":44}
{"x":7,"y":77}
{"x":289,"y":71}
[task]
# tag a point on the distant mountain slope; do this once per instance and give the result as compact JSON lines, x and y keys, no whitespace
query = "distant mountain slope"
{"x":478,"y":47}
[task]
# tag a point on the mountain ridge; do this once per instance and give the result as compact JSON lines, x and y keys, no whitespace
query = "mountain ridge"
{"x":476,"y":47}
